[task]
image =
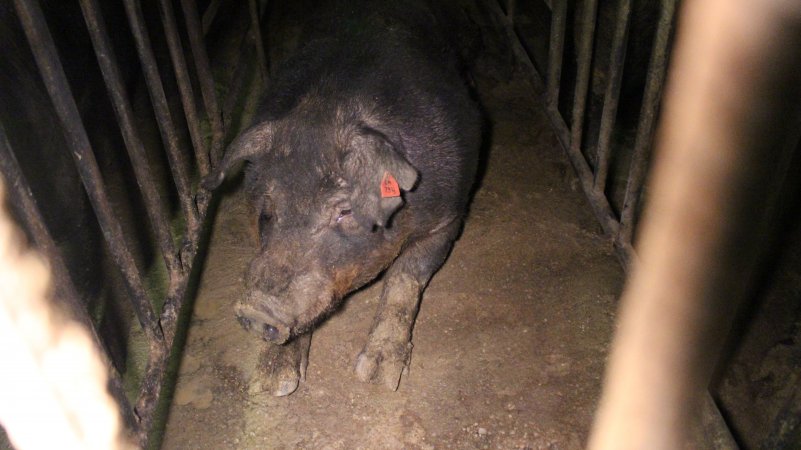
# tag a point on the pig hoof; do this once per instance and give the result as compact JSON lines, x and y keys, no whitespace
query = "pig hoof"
{"x":286,"y":387}
{"x":278,"y":381}
{"x":281,"y":367}
{"x":383,"y":366}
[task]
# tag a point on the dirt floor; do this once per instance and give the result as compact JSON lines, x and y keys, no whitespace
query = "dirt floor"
{"x":509,"y":344}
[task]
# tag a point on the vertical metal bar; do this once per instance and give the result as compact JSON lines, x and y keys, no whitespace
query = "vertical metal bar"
{"x":174,"y":154}
{"x":599,"y":202}
{"x":44,"y":52}
{"x":510,"y":11}
{"x":612,"y":94}
{"x":237,"y":83}
{"x":204,"y":75}
{"x":209,"y":14}
{"x":583,"y":77}
{"x":154,"y":204}
{"x":648,"y":114}
{"x":255,"y":29}
{"x":22,"y":198}
{"x":184,"y":85}
{"x":556,"y":50}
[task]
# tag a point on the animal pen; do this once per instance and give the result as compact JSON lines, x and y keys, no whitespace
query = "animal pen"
{"x":718,"y":209}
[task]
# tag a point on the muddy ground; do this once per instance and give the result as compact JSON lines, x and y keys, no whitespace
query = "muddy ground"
{"x":509,"y":344}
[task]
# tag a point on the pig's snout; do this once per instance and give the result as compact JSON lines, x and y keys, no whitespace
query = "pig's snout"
{"x":258,"y":320}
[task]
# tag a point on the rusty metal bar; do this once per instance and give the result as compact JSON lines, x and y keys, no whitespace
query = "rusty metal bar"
{"x":238,"y":83}
{"x":255,"y":29}
{"x":612,"y":94}
{"x":44,"y":51}
{"x":583,"y":75}
{"x":717,"y":435}
{"x":598,"y":202}
{"x":209,"y":14}
{"x":184,"y":85}
{"x":556,"y":51}
{"x":203,"y":69}
{"x":721,"y":161}
{"x":175,"y":155}
{"x":647,"y":122}
{"x":510,"y":10}
{"x":21,"y":197}
{"x":152,"y":382}
{"x":154,"y":204}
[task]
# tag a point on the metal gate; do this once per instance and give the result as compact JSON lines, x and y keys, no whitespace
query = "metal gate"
{"x":755,"y":127}
{"x":178,"y":246}
{"x":591,"y":160}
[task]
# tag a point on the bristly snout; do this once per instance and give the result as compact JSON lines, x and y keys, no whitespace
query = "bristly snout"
{"x":279,"y":314}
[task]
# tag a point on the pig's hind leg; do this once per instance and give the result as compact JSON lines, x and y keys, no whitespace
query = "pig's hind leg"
{"x":281,"y":367}
{"x":386,"y":355}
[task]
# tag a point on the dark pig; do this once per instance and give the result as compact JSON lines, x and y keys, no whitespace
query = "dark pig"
{"x":361,"y":160}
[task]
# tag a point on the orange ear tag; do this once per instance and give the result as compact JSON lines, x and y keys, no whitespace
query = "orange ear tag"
{"x":389,"y":186}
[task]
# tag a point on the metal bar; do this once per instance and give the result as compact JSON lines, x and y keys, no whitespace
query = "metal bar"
{"x":22,"y":198}
{"x":556,"y":50}
{"x":583,"y":76}
{"x":154,"y":204}
{"x":717,"y":433}
{"x":153,"y":380}
{"x":598,"y":202}
{"x":726,"y":127}
{"x":150,"y":390}
{"x":510,"y":10}
{"x":241,"y":70}
{"x":175,"y":155}
{"x":206,"y":80}
{"x":148,"y":398}
{"x":255,"y":29}
{"x":44,"y":52}
{"x":209,"y":14}
{"x":184,"y":85}
{"x":647,"y":123}
{"x":612,"y":94}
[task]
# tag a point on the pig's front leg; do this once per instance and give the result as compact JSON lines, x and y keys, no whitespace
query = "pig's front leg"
{"x":386,"y":354}
{"x":281,"y":367}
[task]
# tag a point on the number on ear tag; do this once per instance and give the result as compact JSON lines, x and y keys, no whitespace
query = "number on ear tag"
{"x":389,"y":186}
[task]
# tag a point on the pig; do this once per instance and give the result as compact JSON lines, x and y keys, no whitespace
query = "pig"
{"x":359,"y":162}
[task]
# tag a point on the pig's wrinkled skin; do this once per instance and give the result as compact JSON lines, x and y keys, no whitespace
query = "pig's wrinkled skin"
{"x":373,"y":92}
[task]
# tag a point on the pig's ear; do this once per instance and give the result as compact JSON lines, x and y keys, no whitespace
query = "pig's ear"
{"x":250,"y":144}
{"x":377,"y":173}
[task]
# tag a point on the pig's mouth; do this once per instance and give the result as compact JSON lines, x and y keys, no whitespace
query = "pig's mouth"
{"x":262,"y":323}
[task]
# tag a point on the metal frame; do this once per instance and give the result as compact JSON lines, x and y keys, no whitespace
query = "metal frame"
{"x":619,"y":228}
{"x":594,"y":180}
{"x":160,"y":327}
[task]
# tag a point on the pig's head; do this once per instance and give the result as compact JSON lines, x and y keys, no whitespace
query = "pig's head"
{"x":321,"y":203}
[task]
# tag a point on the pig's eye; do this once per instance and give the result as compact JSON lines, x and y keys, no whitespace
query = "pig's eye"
{"x":343,"y":214}
{"x":264,"y":219}
{"x":265,"y":215}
